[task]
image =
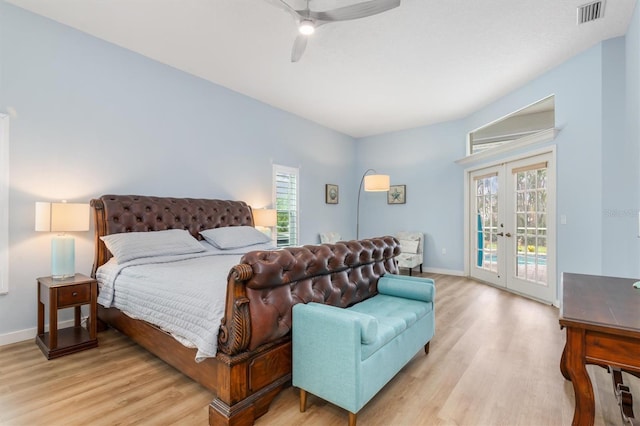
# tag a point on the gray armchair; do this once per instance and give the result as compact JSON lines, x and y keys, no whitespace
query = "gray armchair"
{"x":412,"y":250}
{"x":329,"y":237}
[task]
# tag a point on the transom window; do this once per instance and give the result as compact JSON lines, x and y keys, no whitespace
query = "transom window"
{"x":514,"y":127}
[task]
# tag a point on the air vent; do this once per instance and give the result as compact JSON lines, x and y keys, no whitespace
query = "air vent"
{"x":590,"y":12}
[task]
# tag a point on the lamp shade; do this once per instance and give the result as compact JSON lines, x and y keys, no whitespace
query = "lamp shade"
{"x":376,"y":183}
{"x":264,"y":217}
{"x":62,"y":217}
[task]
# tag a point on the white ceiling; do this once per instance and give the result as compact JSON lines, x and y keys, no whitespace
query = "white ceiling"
{"x":424,"y":62}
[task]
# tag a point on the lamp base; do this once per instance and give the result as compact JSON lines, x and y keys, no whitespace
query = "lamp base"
{"x":63,"y":257}
{"x":62,"y":277}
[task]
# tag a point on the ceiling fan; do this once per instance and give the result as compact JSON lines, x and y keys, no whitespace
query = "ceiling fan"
{"x":309,"y":20}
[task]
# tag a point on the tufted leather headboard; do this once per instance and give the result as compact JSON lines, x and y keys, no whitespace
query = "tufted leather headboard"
{"x":114,"y":214}
{"x":340,"y":274}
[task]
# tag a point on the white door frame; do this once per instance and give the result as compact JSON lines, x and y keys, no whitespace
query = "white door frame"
{"x":552,"y":274}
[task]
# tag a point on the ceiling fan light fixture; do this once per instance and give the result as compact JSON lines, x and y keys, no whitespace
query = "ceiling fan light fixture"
{"x":306,"y":27}
{"x":308,"y":19}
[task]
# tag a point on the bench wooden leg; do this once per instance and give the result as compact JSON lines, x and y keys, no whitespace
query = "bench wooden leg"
{"x":426,"y":348}
{"x":352,"y":419}
{"x":303,"y":400}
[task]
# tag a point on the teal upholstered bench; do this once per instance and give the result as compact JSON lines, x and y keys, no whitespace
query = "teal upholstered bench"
{"x":346,"y":356}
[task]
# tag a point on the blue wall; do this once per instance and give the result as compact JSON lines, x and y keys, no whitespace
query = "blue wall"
{"x":632,"y":124}
{"x":423,"y":160}
{"x":619,"y":168}
{"x":597,"y":165}
{"x":437,"y":208}
{"x":90,"y":118}
{"x":576,"y":85}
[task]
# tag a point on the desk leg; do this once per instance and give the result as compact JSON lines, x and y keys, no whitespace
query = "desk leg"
{"x":574,"y":355}
{"x":563,"y":363}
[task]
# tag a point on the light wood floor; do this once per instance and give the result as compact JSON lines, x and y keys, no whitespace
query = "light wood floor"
{"x":493,"y":361}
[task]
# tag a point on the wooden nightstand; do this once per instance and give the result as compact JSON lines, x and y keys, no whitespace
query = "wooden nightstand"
{"x":67,"y":293}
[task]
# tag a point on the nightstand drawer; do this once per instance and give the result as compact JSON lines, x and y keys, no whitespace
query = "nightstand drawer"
{"x":73,"y":295}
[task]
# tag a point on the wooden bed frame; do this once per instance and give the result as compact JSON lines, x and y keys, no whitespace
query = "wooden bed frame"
{"x":253,"y":363}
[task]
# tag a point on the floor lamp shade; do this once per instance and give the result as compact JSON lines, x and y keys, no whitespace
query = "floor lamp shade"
{"x":376,"y":183}
{"x":371,"y":183}
{"x":61,"y":218}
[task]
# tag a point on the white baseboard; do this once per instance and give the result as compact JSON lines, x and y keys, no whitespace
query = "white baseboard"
{"x":28,"y":334}
{"x":444,"y":271}
{"x":435,"y":271}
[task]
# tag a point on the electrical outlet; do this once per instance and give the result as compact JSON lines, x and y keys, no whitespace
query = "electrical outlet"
{"x":444,"y":251}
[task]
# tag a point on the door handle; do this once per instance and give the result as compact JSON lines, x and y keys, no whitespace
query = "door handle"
{"x":502,"y":234}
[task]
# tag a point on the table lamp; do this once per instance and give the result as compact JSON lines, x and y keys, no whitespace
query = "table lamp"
{"x":264,"y":219}
{"x":62,"y":217}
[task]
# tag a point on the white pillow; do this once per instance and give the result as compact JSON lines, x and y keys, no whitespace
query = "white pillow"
{"x":409,"y":246}
{"x":232,"y":237}
{"x":127,"y":246}
{"x":210,"y":248}
{"x":329,"y":237}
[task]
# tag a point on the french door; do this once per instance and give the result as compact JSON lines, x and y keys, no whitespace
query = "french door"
{"x":512,"y":224}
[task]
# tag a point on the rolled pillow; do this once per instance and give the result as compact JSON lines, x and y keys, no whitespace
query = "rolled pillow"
{"x":416,"y":289}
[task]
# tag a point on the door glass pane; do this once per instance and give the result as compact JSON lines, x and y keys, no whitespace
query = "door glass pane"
{"x":486,"y":201}
{"x":531,"y":225}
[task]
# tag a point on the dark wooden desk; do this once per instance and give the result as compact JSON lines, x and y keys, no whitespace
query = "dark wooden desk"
{"x":602,"y":318}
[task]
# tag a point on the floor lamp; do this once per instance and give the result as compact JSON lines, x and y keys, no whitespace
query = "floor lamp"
{"x":371,"y":183}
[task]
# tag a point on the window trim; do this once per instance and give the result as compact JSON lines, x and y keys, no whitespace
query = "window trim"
{"x":526,"y":133}
{"x":279,"y":170}
{"x":541,"y":137}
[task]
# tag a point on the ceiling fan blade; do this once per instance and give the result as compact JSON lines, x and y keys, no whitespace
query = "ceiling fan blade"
{"x":299,"y":45}
{"x":283,"y":5}
{"x":356,"y":11}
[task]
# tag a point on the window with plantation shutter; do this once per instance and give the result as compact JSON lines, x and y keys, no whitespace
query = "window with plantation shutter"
{"x":285,"y":196}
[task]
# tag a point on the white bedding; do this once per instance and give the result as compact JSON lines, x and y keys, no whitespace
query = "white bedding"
{"x":184,"y":295}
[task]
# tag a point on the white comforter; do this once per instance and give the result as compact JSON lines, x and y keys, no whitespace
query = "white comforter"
{"x":184,"y":295}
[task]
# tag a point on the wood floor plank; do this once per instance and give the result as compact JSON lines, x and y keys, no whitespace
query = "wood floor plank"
{"x":493,"y":361}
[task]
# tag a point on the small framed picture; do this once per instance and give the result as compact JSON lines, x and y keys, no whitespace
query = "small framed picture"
{"x":331,"y":194}
{"x":397,"y":194}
